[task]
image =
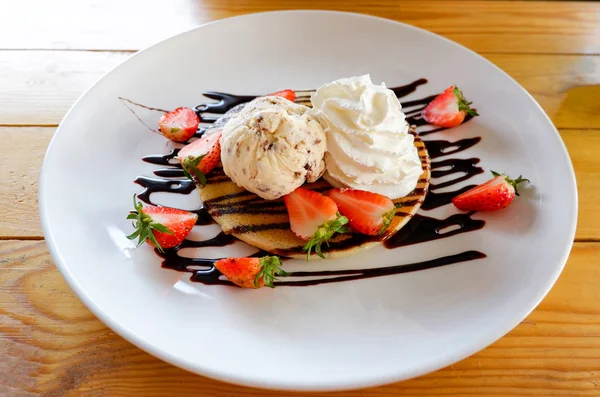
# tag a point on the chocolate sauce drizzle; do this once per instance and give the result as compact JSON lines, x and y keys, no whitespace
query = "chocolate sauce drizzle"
{"x":419,"y":229}
{"x":423,"y":228}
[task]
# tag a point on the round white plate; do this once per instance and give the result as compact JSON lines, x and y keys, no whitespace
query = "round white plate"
{"x":329,"y":336}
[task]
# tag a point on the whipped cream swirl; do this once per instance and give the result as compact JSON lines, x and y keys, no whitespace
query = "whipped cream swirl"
{"x":369,"y":146}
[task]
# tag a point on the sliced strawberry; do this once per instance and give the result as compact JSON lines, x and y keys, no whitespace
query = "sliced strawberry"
{"x":290,"y":95}
{"x":367,"y":212}
{"x":179,"y":125}
{"x":495,"y":194}
{"x":200,"y":157}
{"x":313,"y":217}
{"x":161,"y":227}
{"x":251,"y":272}
{"x":448,"y":109}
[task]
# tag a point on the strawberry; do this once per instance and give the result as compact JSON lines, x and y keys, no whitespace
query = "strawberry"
{"x":367,"y":212}
{"x":495,"y":194}
{"x":313,"y":217}
{"x":251,"y":272}
{"x":290,"y":95}
{"x":200,"y":157}
{"x":162,"y":227}
{"x":448,"y":109}
{"x":179,"y":125}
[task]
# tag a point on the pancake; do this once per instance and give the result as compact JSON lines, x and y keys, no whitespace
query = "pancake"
{"x":265,"y":224}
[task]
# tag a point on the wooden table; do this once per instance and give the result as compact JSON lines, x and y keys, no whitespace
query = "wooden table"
{"x":51,"y":51}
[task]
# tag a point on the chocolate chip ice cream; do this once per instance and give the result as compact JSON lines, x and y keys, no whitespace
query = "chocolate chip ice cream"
{"x":273,"y":146}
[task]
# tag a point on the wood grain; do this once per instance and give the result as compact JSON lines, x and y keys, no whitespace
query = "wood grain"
{"x":20,"y":165}
{"x":484,"y":26}
{"x":38,"y":87}
{"x":53,"y":346}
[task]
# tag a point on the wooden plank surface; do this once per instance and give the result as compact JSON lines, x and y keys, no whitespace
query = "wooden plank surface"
{"x":53,"y":346}
{"x":484,"y":26}
{"x":20,"y":168}
{"x":20,"y":165}
{"x":38,"y":87}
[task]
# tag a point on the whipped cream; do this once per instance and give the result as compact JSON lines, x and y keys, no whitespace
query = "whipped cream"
{"x":369,"y":146}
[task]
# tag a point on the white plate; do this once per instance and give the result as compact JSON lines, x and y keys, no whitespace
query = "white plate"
{"x":330,"y":336}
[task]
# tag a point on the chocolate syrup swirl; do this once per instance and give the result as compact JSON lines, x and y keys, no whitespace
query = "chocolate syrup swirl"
{"x":437,"y":149}
{"x":467,"y":167}
{"x":225,"y":103}
{"x":423,"y":228}
{"x":359,"y":274}
{"x":153,"y":185}
{"x":420,"y":228}
{"x":211,"y":276}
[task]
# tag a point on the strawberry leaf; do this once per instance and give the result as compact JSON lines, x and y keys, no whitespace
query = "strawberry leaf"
{"x":270,"y":267}
{"x":161,"y":228}
{"x":190,"y":169}
{"x":323,"y":234}
{"x":144,"y":226}
{"x":463,"y":104}
{"x":513,"y":182}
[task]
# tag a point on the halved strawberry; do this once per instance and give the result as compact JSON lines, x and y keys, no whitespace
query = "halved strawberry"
{"x":251,"y":272}
{"x":200,"y":157}
{"x":367,"y":212}
{"x":495,"y":194}
{"x":313,"y":217}
{"x":290,"y":95}
{"x":448,"y":109}
{"x":161,"y":227}
{"x":179,"y":125}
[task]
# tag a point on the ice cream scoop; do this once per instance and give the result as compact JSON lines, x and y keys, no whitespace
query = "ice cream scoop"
{"x":272,"y":146}
{"x":369,"y":146}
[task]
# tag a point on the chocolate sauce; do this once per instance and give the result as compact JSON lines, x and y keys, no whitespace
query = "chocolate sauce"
{"x":163,"y":159}
{"x":467,"y":167}
{"x":153,"y":185}
{"x":419,"y":229}
{"x":404,"y":90}
{"x":211,"y":275}
{"x":204,"y":217}
{"x":435,"y":200}
{"x":170,"y":173}
{"x":225,"y":103}
{"x":359,"y":274}
{"x":207,"y":274}
{"x":437,"y":149}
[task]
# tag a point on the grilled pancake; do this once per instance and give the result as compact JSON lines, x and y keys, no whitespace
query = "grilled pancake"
{"x":265,"y":223}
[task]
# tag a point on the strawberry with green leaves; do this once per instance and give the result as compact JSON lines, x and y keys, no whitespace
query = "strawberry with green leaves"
{"x":251,"y":272}
{"x":200,"y":157}
{"x":493,"y":195}
{"x":314,"y":218}
{"x":161,"y":227}
{"x":179,"y":125}
{"x":448,"y":109}
{"x":368,"y":213}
